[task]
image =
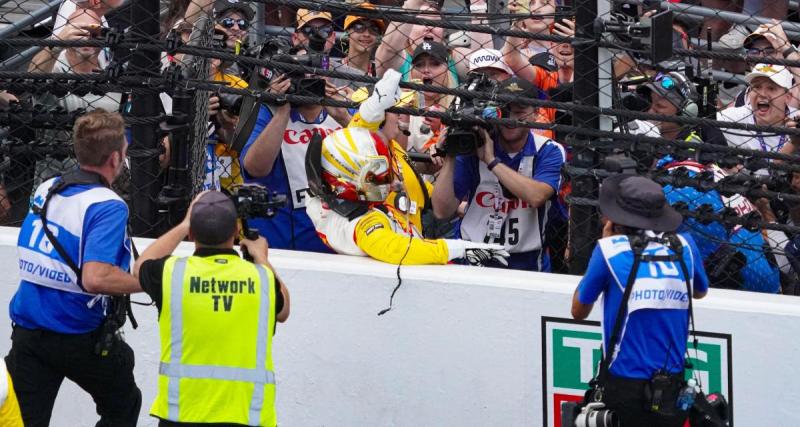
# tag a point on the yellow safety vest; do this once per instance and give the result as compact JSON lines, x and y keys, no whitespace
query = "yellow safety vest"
{"x":216,"y":324}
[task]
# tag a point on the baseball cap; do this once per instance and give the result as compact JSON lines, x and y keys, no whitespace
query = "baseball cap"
{"x":222,"y":6}
{"x":673,"y":86}
{"x":750,"y":39}
{"x":350,"y":19}
{"x":519,"y":87}
{"x":777,"y":73}
{"x":213,"y":218}
{"x":304,"y":16}
{"x":434,"y":49}
{"x":488,"y":58}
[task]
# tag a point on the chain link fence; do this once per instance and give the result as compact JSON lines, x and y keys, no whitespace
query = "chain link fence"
{"x":698,"y":95}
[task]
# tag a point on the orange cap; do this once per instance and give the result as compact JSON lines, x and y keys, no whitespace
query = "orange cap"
{"x":350,"y":19}
{"x":304,"y":16}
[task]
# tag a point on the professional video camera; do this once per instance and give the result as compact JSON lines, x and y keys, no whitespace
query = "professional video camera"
{"x":255,"y":201}
{"x":652,"y":33}
{"x":594,"y":414}
{"x":461,"y":137}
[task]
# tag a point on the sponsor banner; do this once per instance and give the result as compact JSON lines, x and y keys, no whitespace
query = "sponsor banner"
{"x":571,"y":353}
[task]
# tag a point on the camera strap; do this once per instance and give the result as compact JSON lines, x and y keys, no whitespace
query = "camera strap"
{"x":638,"y":244}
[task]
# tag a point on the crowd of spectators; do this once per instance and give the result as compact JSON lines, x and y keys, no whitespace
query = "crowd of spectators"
{"x":511,"y":190}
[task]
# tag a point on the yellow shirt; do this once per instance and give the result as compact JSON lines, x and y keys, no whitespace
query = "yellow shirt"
{"x":224,"y":155}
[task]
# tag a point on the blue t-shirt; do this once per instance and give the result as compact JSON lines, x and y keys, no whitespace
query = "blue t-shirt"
{"x":655,"y":332}
{"x":290,"y":228}
{"x":758,"y":274}
{"x":546,"y":168}
{"x":104,"y":240}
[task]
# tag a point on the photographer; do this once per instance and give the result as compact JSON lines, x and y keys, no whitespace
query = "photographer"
{"x":510,"y":182}
{"x":200,"y":303}
{"x":673,"y":94}
{"x":274,"y":157}
{"x":735,"y":257}
{"x":74,"y":253}
{"x":645,"y":367}
{"x":313,"y":23}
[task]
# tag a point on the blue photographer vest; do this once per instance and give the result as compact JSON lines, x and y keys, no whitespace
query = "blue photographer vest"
{"x":49,"y":295}
{"x":39,"y":262}
{"x":656,"y":328}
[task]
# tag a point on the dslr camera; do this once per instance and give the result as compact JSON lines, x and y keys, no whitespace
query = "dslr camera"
{"x":593,"y":414}
{"x":461,"y":137}
{"x":279,"y":50}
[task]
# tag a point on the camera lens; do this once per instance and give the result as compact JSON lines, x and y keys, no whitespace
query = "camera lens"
{"x":603,"y":418}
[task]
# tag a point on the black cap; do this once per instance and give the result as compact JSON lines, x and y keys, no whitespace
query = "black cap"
{"x":222,"y":6}
{"x":213,"y":218}
{"x":432,"y":48}
{"x":519,"y":87}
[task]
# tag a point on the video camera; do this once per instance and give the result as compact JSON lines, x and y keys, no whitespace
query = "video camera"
{"x":461,"y":137}
{"x":255,"y":201}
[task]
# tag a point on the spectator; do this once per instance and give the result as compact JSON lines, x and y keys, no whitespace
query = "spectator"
{"x":509,"y":183}
{"x":491,"y":63}
{"x":540,"y":22}
{"x":69,"y":7}
{"x":767,"y":105}
{"x":769,"y":41}
{"x":362,"y":38}
{"x":313,"y":23}
{"x":402,"y":39}
{"x":429,"y":66}
{"x":672,"y":94}
{"x":80,"y":60}
{"x":275,"y":153}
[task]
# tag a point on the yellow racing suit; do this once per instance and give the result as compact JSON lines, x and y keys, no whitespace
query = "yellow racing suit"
{"x":385,"y":232}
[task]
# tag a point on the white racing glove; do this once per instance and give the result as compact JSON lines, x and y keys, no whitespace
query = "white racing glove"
{"x":385,"y":95}
{"x":476,"y":253}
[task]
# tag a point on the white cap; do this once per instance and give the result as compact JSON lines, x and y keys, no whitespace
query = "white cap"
{"x":777,"y":73}
{"x":488,"y":58}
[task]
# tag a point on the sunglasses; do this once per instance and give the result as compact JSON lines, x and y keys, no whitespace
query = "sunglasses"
{"x":360,"y":27}
{"x":767,"y":51}
{"x":323,"y":31}
{"x":229,"y":23}
{"x":666,"y":82}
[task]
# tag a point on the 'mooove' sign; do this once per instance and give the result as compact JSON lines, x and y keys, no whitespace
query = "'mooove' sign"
{"x":571,"y":352}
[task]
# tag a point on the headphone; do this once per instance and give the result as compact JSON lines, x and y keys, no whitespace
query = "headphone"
{"x":688,"y":92}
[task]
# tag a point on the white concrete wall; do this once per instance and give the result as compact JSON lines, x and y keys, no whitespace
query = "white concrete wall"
{"x":462,"y":347}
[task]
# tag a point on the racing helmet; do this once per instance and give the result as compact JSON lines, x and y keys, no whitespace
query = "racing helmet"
{"x":356,"y":165}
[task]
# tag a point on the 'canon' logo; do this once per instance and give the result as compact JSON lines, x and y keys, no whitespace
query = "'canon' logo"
{"x":304,"y":136}
{"x":485,"y":199}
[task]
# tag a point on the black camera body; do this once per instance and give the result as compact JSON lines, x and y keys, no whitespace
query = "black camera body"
{"x":255,"y":201}
{"x":461,"y":137}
